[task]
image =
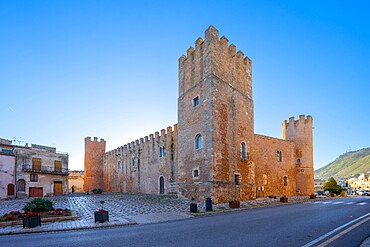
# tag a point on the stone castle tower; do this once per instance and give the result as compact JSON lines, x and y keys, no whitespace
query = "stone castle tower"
{"x":93,"y":164}
{"x":215,"y":102}
{"x":300,"y":132}
{"x":213,"y":150}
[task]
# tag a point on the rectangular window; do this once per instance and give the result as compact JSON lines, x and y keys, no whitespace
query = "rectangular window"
{"x":36,"y":164}
{"x":279,"y":156}
{"x":285,"y":181}
{"x":162,"y":151}
{"x":57,"y":165}
{"x":237,"y":179}
{"x":196,"y":101}
{"x":196,"y":173}
{"x":34,"y":178}
{"x":264,"y":179}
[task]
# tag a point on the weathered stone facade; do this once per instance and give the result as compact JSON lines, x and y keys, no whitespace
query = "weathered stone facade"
{"x":38,"y":170}
{"x":213,"y":151}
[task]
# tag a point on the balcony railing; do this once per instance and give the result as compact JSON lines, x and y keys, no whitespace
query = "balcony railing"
{"x":45,"y":169}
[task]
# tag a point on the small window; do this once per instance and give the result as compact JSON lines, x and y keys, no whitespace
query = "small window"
{"x":196,"y":173}
{"x":161,"y":151}
{"x":237,"y":179}
{"x":34,"y":178}
{"x":244,"y":154}
{"x":198,"y":142}
{"x":264,"y":179}
{"x":196,"y":101}
{"x":285,"y":181}
{"x":279,"y":156}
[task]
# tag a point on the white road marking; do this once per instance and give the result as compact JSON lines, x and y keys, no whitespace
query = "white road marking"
{"x":329,"y":202}
{"x":349,"y":203}
{"x":338,"y":202}
{"x":315,"y":241}
{"x":361,"y":203}
{"x":332,"y":239}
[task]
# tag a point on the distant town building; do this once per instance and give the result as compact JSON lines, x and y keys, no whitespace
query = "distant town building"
{"x":319,"y":183}
{"x":213,"y":151}
{"x":36,"y":170}
{"x":362,"y":182}
{"x":76,"y":179}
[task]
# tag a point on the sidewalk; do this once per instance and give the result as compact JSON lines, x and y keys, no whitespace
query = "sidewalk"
{"x":127,"y":209}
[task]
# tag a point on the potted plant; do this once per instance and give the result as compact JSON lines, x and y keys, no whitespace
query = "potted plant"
{"x":234,"y":204}
{"x":312,"y":196}
{"x":283,"y":199}
{"x":193,"y":206}
{"x":31,"y":219}
{"x":97,"y":191}
{"x":101,"y":215}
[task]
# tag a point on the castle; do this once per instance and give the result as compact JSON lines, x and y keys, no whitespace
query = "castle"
{"x":213,"y":150}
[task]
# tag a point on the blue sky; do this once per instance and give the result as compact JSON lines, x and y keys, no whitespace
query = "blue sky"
{"x":71,"y":69}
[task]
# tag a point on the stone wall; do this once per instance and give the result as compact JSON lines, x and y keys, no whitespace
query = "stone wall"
{"x":138,"y":166}
{"x":7,"y":173}
{"x":270,"y":172}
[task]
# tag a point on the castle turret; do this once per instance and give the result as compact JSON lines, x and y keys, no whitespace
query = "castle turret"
{"x":93,"y":165}
{"x":300,"y":132}
{"x":215,"y":121}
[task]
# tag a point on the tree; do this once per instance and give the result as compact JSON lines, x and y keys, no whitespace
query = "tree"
{"x":332,"y":186}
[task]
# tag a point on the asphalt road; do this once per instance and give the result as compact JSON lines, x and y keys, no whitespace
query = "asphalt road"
{"x":307,"y":224}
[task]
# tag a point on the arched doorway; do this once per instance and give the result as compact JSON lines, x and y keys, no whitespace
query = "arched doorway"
{"x":10,"y":189}
{"x":161,"y":185}
{"x":21,"y":185}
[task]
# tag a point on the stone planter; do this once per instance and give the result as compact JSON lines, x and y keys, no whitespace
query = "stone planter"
{"x":283,"y":199}
{"x":234,"y":204}
{"x":193,"y":207}
{"x":31,"y":221}
{"x":101,"y":216}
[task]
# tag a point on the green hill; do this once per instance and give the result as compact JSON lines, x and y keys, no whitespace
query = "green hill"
{"x":347,"y":165}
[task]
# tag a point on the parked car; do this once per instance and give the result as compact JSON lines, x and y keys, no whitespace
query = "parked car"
{"x":364,"y":193}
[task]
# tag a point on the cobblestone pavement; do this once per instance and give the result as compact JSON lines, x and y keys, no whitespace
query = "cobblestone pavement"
{"x":123,"y":209}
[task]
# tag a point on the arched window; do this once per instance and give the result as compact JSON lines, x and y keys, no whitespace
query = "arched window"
{"x":244,"y":154}
{"x":198,"y":141}
{"x":21,"y":185}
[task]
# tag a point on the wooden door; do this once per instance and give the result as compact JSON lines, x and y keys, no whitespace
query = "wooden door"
{"x":58,"y":188}
{"x":36,"y":192}
{"x":57,"y":165}
{"x":10,"y":189}
{"x":36,"y":164}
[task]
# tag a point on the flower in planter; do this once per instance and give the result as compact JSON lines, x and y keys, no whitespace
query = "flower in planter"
{"x":30,"y":214}
{"x":101,"y":211}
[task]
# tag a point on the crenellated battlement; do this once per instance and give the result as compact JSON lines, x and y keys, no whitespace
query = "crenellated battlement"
{"x":302,"y":120}
{"x":215,"y":56}
{"x":162,"y":136}
{"x":95,"y":140}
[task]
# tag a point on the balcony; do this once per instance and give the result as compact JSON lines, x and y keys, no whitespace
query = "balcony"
{"x":45,"y":169}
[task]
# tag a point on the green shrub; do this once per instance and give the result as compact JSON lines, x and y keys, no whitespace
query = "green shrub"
{"x":332,"y":186}
{"x":97,"y":191}
{"x":38,"y":205}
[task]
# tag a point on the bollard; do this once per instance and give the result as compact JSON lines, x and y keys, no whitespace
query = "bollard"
{"x":209,"y":204}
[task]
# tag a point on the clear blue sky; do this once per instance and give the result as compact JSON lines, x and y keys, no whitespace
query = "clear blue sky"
{"x":71,"y":69}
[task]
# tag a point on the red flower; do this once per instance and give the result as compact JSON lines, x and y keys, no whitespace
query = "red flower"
{"x":29,"y":214}
{"x":58,"y":213}
{"x":59,"y":209}
{"x":102,"y":211}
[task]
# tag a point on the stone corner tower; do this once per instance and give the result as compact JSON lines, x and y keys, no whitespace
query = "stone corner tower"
{"x":215,"y":121}
{"x":300,"y":132}
{"x":93,"y":164}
